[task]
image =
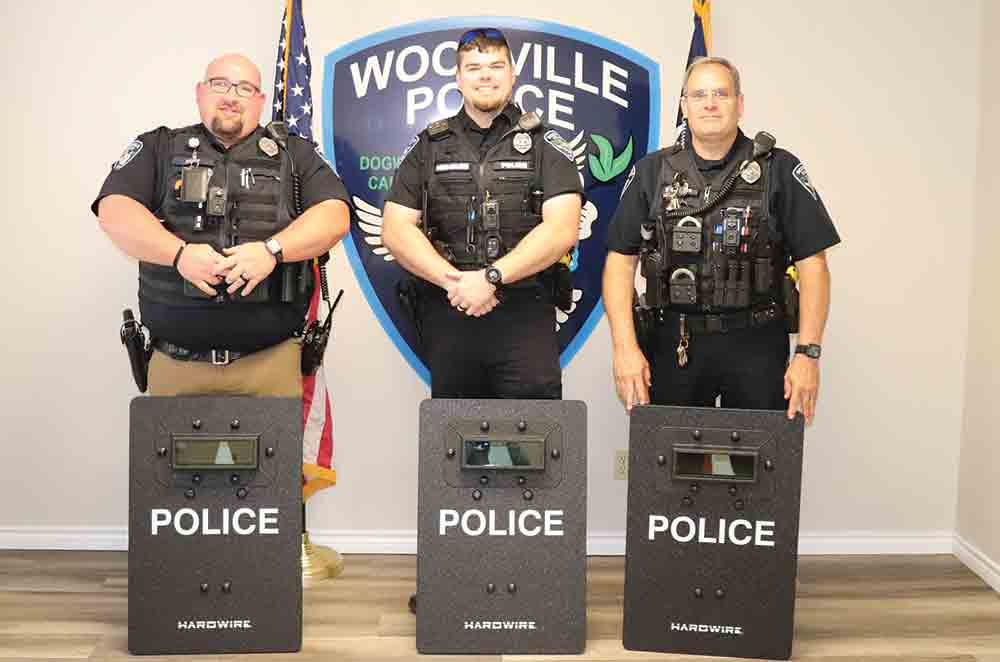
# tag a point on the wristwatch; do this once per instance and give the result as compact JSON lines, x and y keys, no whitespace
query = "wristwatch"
{"x":812,"y":351}
{"x":274,"y":248}
{"x":493,"y":276}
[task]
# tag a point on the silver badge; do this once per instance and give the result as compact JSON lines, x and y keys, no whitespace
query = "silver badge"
{"x":268,"y":146}
{"x":522,"y":142}
{"x":751,"y":173}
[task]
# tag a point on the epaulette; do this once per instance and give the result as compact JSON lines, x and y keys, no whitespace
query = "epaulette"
{"x":280,"y":128}
{"x":529,"y":122}
{"x":438,"y":130}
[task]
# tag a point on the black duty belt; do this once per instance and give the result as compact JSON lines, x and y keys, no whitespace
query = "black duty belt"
{"x":213,"y":356}
{"x":724,"y":322}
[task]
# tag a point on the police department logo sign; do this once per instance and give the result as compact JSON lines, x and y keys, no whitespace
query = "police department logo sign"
{"x":600,"y":98}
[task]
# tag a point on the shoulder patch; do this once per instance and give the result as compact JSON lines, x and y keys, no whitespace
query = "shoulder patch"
{"x":553,"y":138}
{"x":130,"y":153}
{"x":628,"y":182}
{"x":409,"y":146}
{"x":802,"y":177}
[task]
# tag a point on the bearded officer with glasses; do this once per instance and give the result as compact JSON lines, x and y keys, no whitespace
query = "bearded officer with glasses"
{"x":483,"y":207}
{"x":723,"y":228}
{"x":210,"y":212}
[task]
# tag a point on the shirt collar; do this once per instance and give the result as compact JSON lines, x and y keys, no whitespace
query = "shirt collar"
{"x":711,"y":164}
{"x":507,"y":118}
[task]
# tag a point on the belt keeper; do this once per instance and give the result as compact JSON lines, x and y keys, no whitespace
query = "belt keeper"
{"x":177,"y":255}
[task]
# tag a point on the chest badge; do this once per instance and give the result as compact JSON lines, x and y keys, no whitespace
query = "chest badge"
{"x":751,"y":173}
{"x":522,"y":142}
{"x":268,"y":146}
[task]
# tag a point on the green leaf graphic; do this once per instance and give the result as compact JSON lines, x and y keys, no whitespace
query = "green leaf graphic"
{"x":621,"y":161}
{"x":606,"y":166}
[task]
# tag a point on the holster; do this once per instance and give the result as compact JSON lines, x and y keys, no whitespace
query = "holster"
{"x":559,"y":283}
{"x":138,"y":348}
{"x":643,"y":319}
{"x":411,"y":301}
{"x":790,"y":304}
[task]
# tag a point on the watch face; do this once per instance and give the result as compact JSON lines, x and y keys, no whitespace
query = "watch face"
{"x":493,"y":276}
{"x":273,"y":246}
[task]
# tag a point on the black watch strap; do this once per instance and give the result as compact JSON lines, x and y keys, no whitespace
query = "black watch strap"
{"x":494,"y":276}
{"x":813,"y":351}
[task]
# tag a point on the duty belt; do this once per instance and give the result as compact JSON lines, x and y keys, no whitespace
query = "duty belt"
{"x":213,"y":356}
{"x":724,"y":322}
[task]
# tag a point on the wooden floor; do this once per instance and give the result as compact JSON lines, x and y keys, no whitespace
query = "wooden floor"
{"x":72,"y":605}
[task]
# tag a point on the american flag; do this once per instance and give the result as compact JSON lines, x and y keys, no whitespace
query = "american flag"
{"x":293,"y":106}
{"x":701,"y":43}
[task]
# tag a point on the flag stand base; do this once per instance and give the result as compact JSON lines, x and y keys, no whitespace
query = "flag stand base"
{"x":319,"y":562}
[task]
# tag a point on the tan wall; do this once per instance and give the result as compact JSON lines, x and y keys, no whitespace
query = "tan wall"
{"x":862,"y":92}
{"x":979,"y":472}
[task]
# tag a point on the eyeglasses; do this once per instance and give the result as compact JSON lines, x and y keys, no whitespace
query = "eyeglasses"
{"x":489,"y":33}
{"x":223,"y":85}
{"x":722,"y":95}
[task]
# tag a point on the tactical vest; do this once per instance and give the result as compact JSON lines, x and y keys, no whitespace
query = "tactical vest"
{"x":249,"y":200}
{"x":469,"y":233}
{"x":727,"y":258}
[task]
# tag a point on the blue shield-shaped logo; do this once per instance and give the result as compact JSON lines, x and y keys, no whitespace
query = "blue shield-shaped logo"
{"x":381,"y":91}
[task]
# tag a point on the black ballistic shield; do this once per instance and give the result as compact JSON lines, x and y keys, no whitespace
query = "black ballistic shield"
{"x":215,"y":525}
{"x":712,"y":534}
{"x":501,"y":559}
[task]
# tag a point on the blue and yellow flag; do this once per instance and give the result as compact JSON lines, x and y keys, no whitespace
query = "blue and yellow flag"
{"x":701,"y":45}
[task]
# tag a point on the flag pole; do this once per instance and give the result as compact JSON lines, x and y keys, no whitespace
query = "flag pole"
{"x":293,"y":70}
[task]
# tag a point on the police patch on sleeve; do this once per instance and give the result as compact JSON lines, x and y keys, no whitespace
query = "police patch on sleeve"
{"x":409,"y":147}
{"x":553,"y":138}
{"x":130,"y":153}
{"x":628,"y":182}
{"x":802,"y":177}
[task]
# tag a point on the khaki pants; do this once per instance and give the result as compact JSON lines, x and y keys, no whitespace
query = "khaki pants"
{"x":275,"y":371}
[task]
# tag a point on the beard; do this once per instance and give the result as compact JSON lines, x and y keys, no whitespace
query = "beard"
{"x":489,"y":106}
{"x":227,"y":128}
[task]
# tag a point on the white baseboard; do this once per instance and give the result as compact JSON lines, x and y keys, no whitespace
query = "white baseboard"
{"x":599,"y":543}
{"x":875,"y":542}
{"x":976,"y":561}
{"x":77,"y":538}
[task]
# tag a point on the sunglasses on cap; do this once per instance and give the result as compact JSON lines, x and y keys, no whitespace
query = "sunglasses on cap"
{"x":489,"y":33}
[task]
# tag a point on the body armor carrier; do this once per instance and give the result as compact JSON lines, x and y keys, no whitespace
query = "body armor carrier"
{"x":710,"y":247}
{"x":224,"y":198}
{"x":476,"y":210}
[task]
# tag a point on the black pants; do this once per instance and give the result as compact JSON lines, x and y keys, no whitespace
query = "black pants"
{"x":512,"y":352}
{"x":746,"y":367}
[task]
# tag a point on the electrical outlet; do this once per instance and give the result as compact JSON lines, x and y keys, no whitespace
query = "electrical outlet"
{"x":621,"y":465}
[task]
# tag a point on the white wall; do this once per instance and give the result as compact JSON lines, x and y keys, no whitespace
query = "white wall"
{"x":861,"y":92}
{"x":978,"y":515}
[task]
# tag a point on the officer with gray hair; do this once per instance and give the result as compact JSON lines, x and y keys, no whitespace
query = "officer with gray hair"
{"x":730,"y":234}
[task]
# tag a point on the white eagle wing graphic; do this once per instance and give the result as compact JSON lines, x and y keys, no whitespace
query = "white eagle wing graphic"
{"x":579,"y":148}
{"x":370,"y":220}
{"x":563,"y":315}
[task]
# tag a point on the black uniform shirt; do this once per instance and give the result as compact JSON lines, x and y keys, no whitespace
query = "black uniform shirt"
{"x":137,"y":175}
{"x":559,"y":173}
{"x":793,"y":203}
